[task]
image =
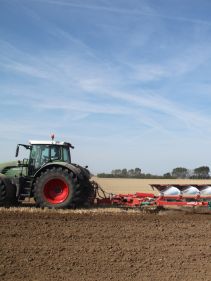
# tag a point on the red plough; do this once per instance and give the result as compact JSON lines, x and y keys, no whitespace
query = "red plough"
{"x":169,"y":195}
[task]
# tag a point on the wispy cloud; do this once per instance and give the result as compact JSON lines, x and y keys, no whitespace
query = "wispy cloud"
{"x":149,"y":72}
{"x":94,"y":6}
{"x":145,"y":10}
{"x":24,"y":69}
{"x":125,"y":76}
{"x":92,"y":79}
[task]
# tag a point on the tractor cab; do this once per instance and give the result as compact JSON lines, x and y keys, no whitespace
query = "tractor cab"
{"x":43,"y":152}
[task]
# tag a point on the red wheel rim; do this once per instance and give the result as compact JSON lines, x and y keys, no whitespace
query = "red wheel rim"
{"x":56,"y":191}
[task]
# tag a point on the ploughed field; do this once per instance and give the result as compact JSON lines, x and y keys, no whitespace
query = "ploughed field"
{"x":40,"y":245}
{"x":104,"y":244}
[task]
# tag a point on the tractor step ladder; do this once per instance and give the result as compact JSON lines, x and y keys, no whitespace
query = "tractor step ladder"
{"x":25,"y":190}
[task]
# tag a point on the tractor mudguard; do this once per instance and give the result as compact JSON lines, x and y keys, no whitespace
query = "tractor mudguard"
{"x":80,"y":172}
{"x":11,"y":171}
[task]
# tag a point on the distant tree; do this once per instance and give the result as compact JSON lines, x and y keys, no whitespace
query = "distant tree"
{"x":180,"y":173}
{"x":137,"y":172}
{"x":124,"y":172}
{"x":202,"y":172}
{"x":167,"y":175}
{"x":104,"y":175}
{"x":131,"y":173}
{"x":117,"y":172}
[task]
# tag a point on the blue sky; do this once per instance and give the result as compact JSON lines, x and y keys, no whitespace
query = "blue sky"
{"x":127,"y":82}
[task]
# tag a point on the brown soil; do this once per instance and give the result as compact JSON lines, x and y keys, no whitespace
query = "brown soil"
{"x":53,"y":245}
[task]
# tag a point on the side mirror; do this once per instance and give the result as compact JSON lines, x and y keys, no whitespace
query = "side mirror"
{"x":17,"y":151}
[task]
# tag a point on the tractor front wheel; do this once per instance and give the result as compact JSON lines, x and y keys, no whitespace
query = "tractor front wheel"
{"x":7,"y":193}
{"x":2,"y":192}
{"x":57,"y":188}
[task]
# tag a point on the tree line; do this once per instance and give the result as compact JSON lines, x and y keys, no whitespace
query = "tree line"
{"x":202,"y":172}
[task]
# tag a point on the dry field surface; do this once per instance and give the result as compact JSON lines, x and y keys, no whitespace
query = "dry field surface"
{"x":104,"y":244}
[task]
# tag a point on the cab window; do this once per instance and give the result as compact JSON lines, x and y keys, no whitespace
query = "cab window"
{"x":66,"y":155}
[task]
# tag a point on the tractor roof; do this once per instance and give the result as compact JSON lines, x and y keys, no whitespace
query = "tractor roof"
{"x":49,"y":142}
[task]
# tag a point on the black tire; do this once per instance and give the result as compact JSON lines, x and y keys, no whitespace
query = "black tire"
{"x":89,"y":193}
{"x":58,"y":188}
{"x":2,"y":192}
{"x":7,"y":193}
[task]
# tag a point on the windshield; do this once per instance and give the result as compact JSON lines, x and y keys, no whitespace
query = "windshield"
{"x":42,"y":154}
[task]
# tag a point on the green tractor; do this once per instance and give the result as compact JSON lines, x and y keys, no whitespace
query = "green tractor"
{"x":48,"y":176}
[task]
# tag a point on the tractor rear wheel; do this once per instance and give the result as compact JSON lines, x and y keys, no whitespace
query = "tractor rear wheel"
{"x":89,"y":193}
{"x":58,"y":188}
